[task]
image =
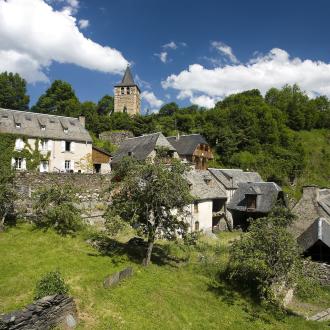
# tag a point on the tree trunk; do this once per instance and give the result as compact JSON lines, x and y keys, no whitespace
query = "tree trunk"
{"x":2,"y":222}
{"x":147,"y":259}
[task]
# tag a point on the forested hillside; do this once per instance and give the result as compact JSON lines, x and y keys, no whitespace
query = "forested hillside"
{"x":284,"y":135}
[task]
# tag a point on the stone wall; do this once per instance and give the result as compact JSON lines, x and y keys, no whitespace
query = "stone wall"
{"x":323,"y":272}
{"x":115,"y":138}
{"x":92,"y":191}
{"x":46,"y":313}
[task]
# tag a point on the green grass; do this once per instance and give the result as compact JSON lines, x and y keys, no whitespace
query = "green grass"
{"x":170,"y":295}
{"x":316,"y":144}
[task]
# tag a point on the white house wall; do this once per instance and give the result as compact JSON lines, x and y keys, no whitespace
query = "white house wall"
{"x":203,"y":216}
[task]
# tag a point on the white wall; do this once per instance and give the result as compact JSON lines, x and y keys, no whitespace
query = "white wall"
{"x":203,"y":216}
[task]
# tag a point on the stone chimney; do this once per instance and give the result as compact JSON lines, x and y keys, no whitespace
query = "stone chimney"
{"x":82,"y":120}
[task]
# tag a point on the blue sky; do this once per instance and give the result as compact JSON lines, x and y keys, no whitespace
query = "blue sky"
{"x":183,"y":51}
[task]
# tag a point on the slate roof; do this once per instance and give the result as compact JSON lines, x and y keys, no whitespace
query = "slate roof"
{"x":204,"y":186}
{"x":31,"y":123}
{"x":267,"y":194}
{"x":140,"y":147}
{"x":103,"y":151}
{"x":319,"y":230}
{"x":231,"y":178}
{"x":186,"y":144}
{"x":127,"y":80}
{"x":324,"y":200}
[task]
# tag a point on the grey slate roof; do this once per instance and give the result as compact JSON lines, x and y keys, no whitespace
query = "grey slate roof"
{"x":231,"y":178}
{"x":267,"y":195}
{"x":32,"y":122}
{"x":324,"y":200}
{"x":186,"y":144}
{"x":204,"y":186}
{"x":140,"y":147}
{"x":319,"y":230}
{"x":127,"y":80}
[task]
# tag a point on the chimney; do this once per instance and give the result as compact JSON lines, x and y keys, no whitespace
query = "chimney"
{"x":82,"y":120}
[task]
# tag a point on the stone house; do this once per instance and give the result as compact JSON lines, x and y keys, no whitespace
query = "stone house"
{"x":127,"y":95}
{"x":254,"y":200}
{"x":192,"y":149}
{"x":101,"y":160}
{"x":208,"y":212}
{"x":63,"y":142}
{"x":144,"y":147}
{"x":229,"y":179}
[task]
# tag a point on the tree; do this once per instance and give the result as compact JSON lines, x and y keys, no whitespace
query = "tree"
{"x":168,"y":109}
{"x":158,"y":194}
{"x":7,"y":195}
{"x":106,"y":105}
{"x":56,"y":207}
{"x":267,"y":255}
{"x":59,"y":99}
{"x":13,"y":92}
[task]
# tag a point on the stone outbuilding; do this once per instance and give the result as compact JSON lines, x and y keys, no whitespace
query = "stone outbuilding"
{"x":254,"y":200}
{"x":192,"y":149}
{"x":229,"y":179}
{"x":144,"y":147}
{"x":101,"y":160}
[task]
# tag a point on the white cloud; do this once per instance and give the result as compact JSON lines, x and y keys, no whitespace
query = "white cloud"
{"x":203,"y":101}
{"x":33,"y":35}
{"x":162,"y":56}
{"x":152,"y":100}
{"x":83,"y":23}
{"x":225,"y":50}
{"x":170,"y":45}
{"x":274,"y":69}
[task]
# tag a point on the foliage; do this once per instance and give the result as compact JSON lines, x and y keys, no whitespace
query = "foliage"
{"x":51,"y":283}
{"x":55,"y":207}
{"x":85,"y":163}
{"x":114,"y":224}
{"x":267,"y":256}
{"x":13,"y":92}
{"x":151,"y":202}
{"x":192,"y":238}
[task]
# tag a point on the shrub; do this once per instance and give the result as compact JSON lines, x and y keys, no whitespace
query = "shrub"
{"x":55,"y":207}
{"x":192,"y":238}
{"x":50,"y":284}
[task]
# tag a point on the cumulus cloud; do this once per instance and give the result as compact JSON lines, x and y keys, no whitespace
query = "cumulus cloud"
{"x":225,"y":50}
{"x":83,"y":23}
{"x":33,"y":35}
{"x":152,"y":100}
{"x":274,"y":69}
{"x":162,"y":56}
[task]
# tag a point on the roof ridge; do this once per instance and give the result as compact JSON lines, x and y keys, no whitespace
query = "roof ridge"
{"x":135,"y":137}
{"x":38,"y":113}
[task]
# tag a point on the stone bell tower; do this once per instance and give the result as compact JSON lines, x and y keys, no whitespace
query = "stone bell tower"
{"x":127,"y":95}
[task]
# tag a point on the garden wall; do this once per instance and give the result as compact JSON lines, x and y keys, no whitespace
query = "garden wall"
{"x":93,"y":191}
{"x":44,"y":314}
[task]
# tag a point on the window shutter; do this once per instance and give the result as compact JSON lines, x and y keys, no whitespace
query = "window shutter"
{"x":63,"y":166}
{"x":13,"y":162}
{"x":62,"y":146}
{"x":21,"y":144}
{"x":40,"y":145}
{"x":23,"y":164}
{"x":50,"y":145}
{"x":72,"y":165}
{"x":72,"y":146}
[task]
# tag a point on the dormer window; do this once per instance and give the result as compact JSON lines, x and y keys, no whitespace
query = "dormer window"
{"x":130,"y":153}
{"x":43,"y":127}
{"x":65,"y":130}
{"x":18,"y":125}
{"x":251,"y":202}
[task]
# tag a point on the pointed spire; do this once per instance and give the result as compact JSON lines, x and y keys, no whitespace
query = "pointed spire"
{"x":128,"y":78}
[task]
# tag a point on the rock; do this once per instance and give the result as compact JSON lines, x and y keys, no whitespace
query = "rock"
{"x":115,"y":278}
{"x":70,"y":321}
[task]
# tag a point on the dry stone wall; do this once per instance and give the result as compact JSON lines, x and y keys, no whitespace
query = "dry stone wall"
{"x":44,"y":314}
{"x":93,"y":191}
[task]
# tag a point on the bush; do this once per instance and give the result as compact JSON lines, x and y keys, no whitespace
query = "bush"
{"x":192,"y":238}
{"x":55,"y":207}
{"x":50,"y":284}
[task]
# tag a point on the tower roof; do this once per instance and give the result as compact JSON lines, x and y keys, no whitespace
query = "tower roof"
{"x":127,"y":79}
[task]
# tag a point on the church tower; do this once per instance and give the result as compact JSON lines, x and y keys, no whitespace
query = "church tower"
{"x":127,"y":95}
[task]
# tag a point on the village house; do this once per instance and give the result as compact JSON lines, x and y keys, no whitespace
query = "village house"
{"x":208,"y":211}
{"x":101,"y":160}
{"x":229,"y":179}
{"x":192,"y":149}
{"x":144,"y":147}
{"x":63,"y":142}
{"x":254,"y":200}
{"x":312,"y":227}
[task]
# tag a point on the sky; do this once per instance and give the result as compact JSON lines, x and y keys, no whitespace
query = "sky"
{"x":189,"y":52}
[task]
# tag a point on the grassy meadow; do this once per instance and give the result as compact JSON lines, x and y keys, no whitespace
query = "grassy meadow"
{"x":180,"y":290}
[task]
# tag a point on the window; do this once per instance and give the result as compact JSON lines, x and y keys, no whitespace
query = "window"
{"x":67,"y":146}
{"x":196,"y":226}
{"x":19,"y":144}
{"x":43,"y":127}
{"x":123,"y":91}
{"x":44,"y":145}
{"x":196,"y":207}
{"x":65,"y":130}
{"x":44,"y":166}
{"x":18,"y":163}
{"x":18,"y":125}
{"x":128,"y":90}
{"x":67,"y":165}
{"x":251,"y":202}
